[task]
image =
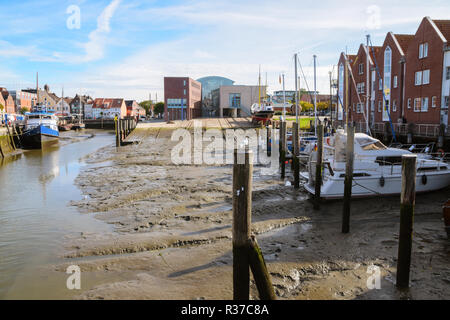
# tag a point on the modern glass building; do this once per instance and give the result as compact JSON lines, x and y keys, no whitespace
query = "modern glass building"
{"x":209,"y":84}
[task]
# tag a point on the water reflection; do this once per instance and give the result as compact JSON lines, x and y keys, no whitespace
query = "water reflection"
{"x":36,"y":188}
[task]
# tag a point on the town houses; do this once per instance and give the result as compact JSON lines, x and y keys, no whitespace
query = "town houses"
{"x":404,"y":81}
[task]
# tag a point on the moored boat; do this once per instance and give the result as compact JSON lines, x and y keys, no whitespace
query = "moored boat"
{"x":41,"y":129}
{"x":377,"y":169}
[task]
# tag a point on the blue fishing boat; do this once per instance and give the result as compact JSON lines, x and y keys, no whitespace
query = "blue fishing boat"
{"x":41,"y":129}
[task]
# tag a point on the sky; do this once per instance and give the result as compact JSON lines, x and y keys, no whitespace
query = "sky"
{"x":124,"y":48}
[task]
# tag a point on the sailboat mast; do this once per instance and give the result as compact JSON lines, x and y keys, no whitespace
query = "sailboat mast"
{"x":297,"y":97}
{"x":367,"y":84}
{"x":315,"y":96}
{"x":37,"y":88}
{"x":284,"y":100}
{"x":259,"y":87}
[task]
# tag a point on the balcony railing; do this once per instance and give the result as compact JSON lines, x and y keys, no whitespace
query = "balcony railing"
{"x":422,"y":130}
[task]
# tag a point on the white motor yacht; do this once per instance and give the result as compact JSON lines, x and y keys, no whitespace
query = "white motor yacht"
{"x":377,"y":169}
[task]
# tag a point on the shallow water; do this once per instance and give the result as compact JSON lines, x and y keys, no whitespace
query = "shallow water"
{"x":35,"y":216}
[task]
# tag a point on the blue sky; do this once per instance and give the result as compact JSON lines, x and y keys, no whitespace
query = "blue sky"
{"x":124,"y":48}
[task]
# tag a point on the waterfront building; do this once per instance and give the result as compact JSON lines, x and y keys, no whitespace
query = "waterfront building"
{"x":9,"y":105}
{"x":134,"y":109}
{"x":106,"y":108}
{"x":236,"y":100}
{"x":62,"y":107}
{"x":81,"y":101}
{"x":209,"y":84}
{"x":428,"y":73}
{"x":389,"y":79}
{"x":182,"y":98}
{"x":23,"y":100}
{"x":409,"y":79}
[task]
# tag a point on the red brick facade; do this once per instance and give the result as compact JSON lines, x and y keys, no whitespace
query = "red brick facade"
{"x":182,"y":98}
{"x":10,"y":106}
{"x":414,"y":88}
{"x":428,"y":34}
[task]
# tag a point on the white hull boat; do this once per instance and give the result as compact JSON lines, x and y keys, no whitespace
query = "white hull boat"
{"x":377,"y":170}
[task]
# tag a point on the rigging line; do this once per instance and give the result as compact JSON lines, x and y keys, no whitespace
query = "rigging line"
{"x":384,"y":96}
{"x":359,"y":99}
{"x":306,"y":82}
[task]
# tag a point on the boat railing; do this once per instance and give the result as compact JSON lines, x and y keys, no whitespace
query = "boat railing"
{"x":416,"y":147}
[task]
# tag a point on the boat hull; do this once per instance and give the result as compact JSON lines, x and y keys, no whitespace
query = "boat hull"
{"x":40,"y":137}
{"x":333,"y":188}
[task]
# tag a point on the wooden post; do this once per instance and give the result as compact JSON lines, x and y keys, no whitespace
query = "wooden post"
{"x":116,"y":124}
{"x":348,"y":179}
{"x":242,"y":207}
{"x":407,"y":202}
{"x":283,"y":148}
{"x":319,"y":165}
{"x":10,"y":136}
{"x":259,"y":270}
{"x":296,"y":153}
{"x":269,"y":136}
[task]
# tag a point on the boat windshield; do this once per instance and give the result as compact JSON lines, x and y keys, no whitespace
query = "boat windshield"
{"x":368,"y":143}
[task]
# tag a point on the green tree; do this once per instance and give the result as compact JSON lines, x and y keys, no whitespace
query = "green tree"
{"x":323,"y":106}
{"x":147,"y":105}
{"x":306,"y":106}
{"x":24,"y":110}
{"x":159,"y":108}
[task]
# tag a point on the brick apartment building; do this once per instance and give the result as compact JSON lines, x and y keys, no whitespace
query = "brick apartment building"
{"x":182,"y":98}
{"x":9,"y":104}
{"x":409,"y":79}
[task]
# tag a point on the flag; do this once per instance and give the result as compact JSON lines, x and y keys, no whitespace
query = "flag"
{"x":279,"y":78}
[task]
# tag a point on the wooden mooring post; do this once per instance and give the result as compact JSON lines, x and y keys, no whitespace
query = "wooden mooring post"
{"x":283,"y":129}
{"x":268,"y":140}
{"x":246,"y":252}
{"x":407,"y":203}
{"x":116,"y":123}
{"x":348,"y":182}
{"x":296,"y":153}
{"x":319,"y":166}
{"x":242,"y":207}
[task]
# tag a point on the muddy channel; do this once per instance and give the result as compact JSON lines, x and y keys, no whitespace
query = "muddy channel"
{"x":171,"y":235}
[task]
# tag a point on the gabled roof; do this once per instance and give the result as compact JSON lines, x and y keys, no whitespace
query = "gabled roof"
{"x":105,"y":103}
{"x":404,"y":41}
{"x":444,"y":27}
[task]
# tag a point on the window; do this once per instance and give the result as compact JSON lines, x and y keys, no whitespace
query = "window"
{"x":358,"y":108}
{"x":424,"y":107}
{"x":235,"y":100}
{"x":447,"y":74}
{"x":353,"y":107}
{"x":379,"y":106}
{"x":361,"y":68}
{"x":184,"y":91}
{"x":423,"y":50}
{"x":184,"y":83}
{"x":417,"y":105}
{"x":418,"y":78}
{"x":433,"y":102}
{"x":426,"y":77}
{"x":380,"y":84}
{"x":395,"y":81}
{"x":360,"y":87}
{"x":372,"y":105}
{"x":394,"y":106}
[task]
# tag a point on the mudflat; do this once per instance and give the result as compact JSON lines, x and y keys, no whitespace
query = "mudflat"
{"x":172,"y":233}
